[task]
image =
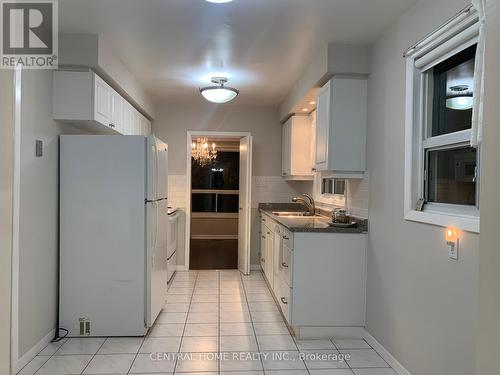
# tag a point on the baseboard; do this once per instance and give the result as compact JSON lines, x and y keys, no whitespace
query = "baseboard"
{"x":388,"y":357}
{"x":255,"y":267}
{"x":311,"y":333}
{"x":30,"y":354}
{"x":305,"y":333}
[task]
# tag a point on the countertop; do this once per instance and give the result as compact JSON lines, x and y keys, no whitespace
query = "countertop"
{"x":308,"y":224}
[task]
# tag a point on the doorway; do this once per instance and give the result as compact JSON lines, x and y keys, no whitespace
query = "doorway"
{"x":218,"y":190}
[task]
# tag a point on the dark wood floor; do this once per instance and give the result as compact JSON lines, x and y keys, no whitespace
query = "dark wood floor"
{"x":213,"y":254}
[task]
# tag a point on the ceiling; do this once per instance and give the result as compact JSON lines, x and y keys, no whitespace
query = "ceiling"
{"x":262,"y":46}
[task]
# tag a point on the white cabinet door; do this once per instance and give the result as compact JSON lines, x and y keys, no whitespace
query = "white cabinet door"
{"x":285,"y":155}
{"x":127,"y":117}
{"x":296,"y":148}
{"x":268,"y":270}
{"x":102,"y":101}
{"x":86,"y":99}
{"x":277,"y":244}
{"x":322,"y":128}
{"x":147,"y":126}
{"x":142,"y":125}
{"x":284,"y":295}
{"x":137,"y":124}
{"x":117,"y":104}
{"x":341,"y":127}
{"x":263,"y":250}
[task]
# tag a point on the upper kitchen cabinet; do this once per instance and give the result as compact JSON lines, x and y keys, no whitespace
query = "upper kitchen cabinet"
{"x":297,"y":161}
{"x":341,"y":117}
{"x":85,"y":99}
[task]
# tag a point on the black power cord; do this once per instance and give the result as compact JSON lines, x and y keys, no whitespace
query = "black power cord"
{"x":58,"y":337}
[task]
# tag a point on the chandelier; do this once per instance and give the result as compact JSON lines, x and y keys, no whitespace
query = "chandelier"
{"x":202,"y":153}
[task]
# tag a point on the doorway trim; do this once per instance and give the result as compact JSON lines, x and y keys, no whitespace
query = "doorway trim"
{"x":8,"y":135}
{"x":189,"y":138}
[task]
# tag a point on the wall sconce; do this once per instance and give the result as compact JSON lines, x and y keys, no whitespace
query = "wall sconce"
{"x":452,"y":242}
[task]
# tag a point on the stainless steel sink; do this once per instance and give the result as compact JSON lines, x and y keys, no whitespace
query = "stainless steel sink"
{"x":294,"y":214}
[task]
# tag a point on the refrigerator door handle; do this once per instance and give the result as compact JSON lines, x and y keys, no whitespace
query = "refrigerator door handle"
{"x":155,"y":234}
{"x":155,"y":183}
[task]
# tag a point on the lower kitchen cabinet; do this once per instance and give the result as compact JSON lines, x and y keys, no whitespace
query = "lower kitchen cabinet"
{"x":266,"y":249}
{"x":317,"y":278}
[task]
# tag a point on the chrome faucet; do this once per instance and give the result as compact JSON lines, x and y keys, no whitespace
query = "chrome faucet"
{"x":309,"y":203}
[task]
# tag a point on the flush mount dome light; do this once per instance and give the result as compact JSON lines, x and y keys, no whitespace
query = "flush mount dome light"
{"x":461,"y":100}
{"x":219,"y":94}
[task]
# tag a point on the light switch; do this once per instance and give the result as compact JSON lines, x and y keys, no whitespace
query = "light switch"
{"x":38,"y":148}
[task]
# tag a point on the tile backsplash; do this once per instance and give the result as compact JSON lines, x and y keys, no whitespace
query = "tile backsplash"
{"x":275,"y":189}
{"x":264,"y":189}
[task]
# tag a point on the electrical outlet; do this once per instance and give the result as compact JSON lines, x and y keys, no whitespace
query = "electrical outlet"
{"x":453,"y":250}
{"x":84,"y":326}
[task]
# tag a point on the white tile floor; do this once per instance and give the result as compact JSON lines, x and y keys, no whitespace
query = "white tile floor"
{"x":217,"y":322}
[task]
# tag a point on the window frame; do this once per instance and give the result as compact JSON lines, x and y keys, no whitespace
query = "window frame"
{"x":417,"y":144}
{"x":328,"y":200}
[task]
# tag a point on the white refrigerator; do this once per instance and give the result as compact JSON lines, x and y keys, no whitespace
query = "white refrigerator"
{"x":113,"y":234}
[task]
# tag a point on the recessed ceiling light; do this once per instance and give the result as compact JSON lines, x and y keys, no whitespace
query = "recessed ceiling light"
{"x":219,"y":1}
{"x":312,"y":102}
{"x":305,"y":109}
{"x":220,"y":93}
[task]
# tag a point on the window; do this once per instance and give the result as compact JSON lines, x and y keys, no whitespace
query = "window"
{"x":450,"y":163}
{"x":334,"y":186}
{"x":328,"y":190}
{"x":440,"y":165}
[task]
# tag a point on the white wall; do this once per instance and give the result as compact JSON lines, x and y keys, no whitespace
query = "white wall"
{"x":421,"y":306}
{"x":39,"y":199}
{"x":173,"y":122}
{"x":488,"y":349}
{"x":6,"y":181}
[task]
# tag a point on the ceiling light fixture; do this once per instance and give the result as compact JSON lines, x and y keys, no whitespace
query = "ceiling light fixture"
{"x":312,"y":102}
{"x":220,"y":93}
{"x":218,"y":1}
{"x":462,"y":100}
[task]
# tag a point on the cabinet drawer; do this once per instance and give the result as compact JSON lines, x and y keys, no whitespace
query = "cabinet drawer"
{"x":285,"y":265}
{"x":287,"y":237}
{"x":264,"y":220}
{"x":263,"y":250}
{"x":284,"y":296}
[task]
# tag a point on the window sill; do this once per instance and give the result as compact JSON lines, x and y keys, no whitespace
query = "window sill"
{"x":468,"y":223}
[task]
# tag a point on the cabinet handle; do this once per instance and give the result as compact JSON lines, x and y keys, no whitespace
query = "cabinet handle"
{"x":262,"y":260}
{"x":111,"y":125}
{"x":285,"y":238}
{"x":284,"y":265}
{"x":264,"y":237}
{"x":313,"y":169}
{"x":268,"y":232}
{"x":283,"y":300}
